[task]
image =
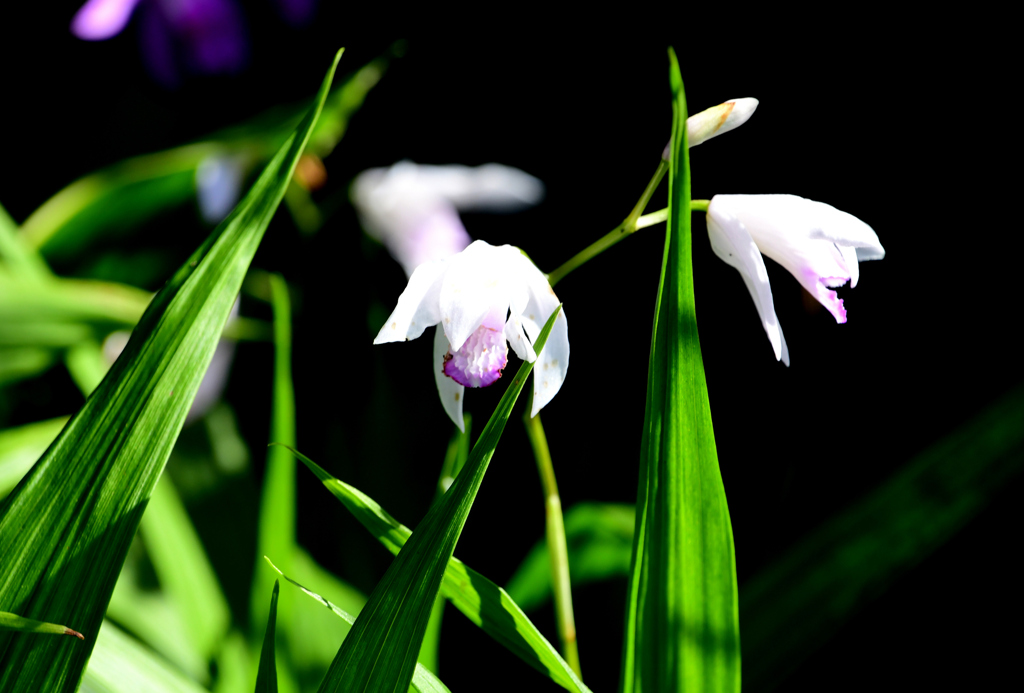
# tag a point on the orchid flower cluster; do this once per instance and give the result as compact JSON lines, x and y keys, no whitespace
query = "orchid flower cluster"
{"x":483,"y":298}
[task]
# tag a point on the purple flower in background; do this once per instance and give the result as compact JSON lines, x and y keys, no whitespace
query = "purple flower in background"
{"x":201,"y":36}
{"x":296,"y":12}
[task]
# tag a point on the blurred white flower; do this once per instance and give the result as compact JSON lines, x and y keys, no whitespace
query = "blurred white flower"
{"x":218,"y":185}
{"x":413,"y":209}
{"x":712,"y":122}
{"x":815,"y":242}
{"x":469,"y":296}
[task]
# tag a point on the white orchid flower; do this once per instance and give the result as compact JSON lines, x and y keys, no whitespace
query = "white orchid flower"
{"x":701,"y":127}
{"x":816,"y":242}
{"x":468,"y":297}
{"x":413,"y":209}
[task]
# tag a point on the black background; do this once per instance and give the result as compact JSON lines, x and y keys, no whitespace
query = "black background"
{"x":901,"y":124}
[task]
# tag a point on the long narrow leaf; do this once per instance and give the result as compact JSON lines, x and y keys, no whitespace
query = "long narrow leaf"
{"x":682,"y":629}
{"x":27,"y":625}
{"x":120,"y":664}
{"x":276,"y":535}
{"x":423,"y":681}
{"x":266,"y":677}
{"x":483,"y":602}
{"x":380,"y":652}
{"x":65,"y":529}
{"x":599,"y":538}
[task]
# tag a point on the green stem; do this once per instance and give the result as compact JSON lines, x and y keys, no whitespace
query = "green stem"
{"x":558,"y":550}
{"x":632,"y":223}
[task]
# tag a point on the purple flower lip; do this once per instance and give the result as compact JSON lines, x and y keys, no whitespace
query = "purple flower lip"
{"x":480,"y":360}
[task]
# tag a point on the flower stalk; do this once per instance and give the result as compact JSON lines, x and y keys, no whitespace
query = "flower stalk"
{"x":558,"y":550}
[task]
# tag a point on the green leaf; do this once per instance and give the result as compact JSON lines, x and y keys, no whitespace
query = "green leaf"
{"x":600,"y":541}
{"x":423,"y":680}
{"x":266,"y":678}
{"x":66,"y":528}
{"x":380,"y":651}
{"x":21,"y":363}
{"x":184,"y":571}
{"x":797,"y":602}
{"x":682,"y":627}
{"x":26,"y":625}
{"x":276,"y":535}
{"x":18,"y":258}
{"x":129,"y":193}
{"x":120,"y":664}
{"x":20,"y":448}
{"x":482,"y":601}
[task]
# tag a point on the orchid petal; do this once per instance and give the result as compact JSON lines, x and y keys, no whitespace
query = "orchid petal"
{"x":850,"y":258}
{"x":733,"y":244}
{"x":474,"y":289}
{"x":491,"y":187}
{"x":553,"y":361}
{"x":98,"y":20}
{"x":452,"y":394}
{"x":417,"y":307}
{"x":517,"y":338}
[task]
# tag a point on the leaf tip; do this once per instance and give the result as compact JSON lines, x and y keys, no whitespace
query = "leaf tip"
{"x":68,"y":631}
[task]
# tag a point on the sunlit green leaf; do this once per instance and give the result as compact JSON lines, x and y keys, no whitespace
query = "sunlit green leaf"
{"x":276,"y":532}
{"x":120,"y":664}
{"x":66,"y":528}
{"x":26,"y":625}
{"x":423,"y":681}
{"x":266,"y":677}
{"x":600,"y":540}
{"x":682,"y":627}
{"x":20,"y":448}
{"x":380,"y":651}
{"x":129,"y":193}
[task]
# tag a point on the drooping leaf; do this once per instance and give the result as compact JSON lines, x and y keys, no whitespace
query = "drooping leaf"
{"x":65,"y":529}
{"x":600,"y":540}
{"x":423,"y":681}
{"x":380,"y":651}
{"x":26,"y":625}
{"x":483,"y":602}
{"x":125,"y":195}
{"x":682,"y":627}
{"x":266,"y":677}
{"x":121,"y":664}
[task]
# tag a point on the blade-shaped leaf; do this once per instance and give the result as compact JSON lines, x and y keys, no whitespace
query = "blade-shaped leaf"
{"x":682,"y":628}
{"x":130,"y":192}
{"x":380,"y":652}
{"x":423,"y":681}
{"x":483,"y":602}
{"x":121,"y":664}
{"x":65,"y":529}
{"x":27,"y":625}
{"x":20,"y":448}
{"x":600,"y":540}
{"x":276,"y":536}
{"x":266,"y":677}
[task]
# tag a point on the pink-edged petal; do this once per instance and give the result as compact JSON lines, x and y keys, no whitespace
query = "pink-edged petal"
{"x":517,"y":338}
{"x":452,"y":394}
{"x":474,"y":289}
{"x":481,"y":359}
{"x":98,"y":20}
{"x":418,"y":307}
{"x":733,"y":244}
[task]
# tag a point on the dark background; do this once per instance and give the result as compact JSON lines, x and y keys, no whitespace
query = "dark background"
{"x":902,"y":127}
